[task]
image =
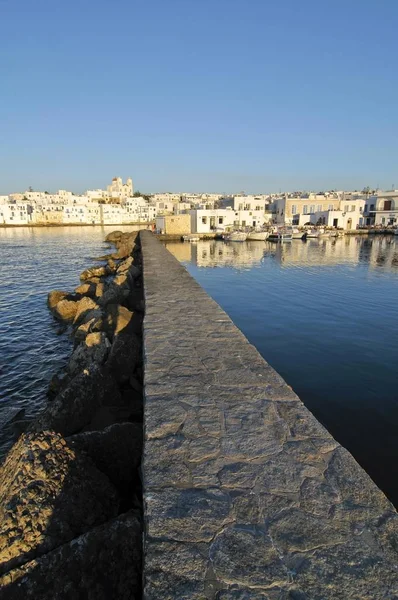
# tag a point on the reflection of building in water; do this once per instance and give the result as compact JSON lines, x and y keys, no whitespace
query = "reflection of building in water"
{"x":214,"y":253}
{"x":322,"y":252}
{"x":376,"y":251}
{"x":381,"y":251}
{"x":181,"y":250}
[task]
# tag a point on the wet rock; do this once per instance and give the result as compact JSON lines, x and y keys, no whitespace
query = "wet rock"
{"x":94,"y":349}
{"x":65,"y":310}
{"x":125,"y":356}
{"x":74,"y":407}
{"x":83,"y":307}
{"x":54,"y":297}
{"x":116,"y":451}
{"x":49,"y":494}
{"x":102,"y":564}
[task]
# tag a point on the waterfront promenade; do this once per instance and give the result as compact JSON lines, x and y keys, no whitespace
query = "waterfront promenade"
{"x":246,"y":495}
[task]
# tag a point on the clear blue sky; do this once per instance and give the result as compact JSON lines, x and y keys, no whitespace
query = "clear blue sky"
{"x":222,"y":95}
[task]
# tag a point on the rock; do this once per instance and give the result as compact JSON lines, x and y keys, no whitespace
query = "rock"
{"x":56,"y":384}
{"x":86,"y":289}
{"x":134,"y":301}
{"x":117,"y":292}
{"x":125,"y":356}
{"x":49,"y":494}
{"x":112,"y":264}
{"x":74,"y":407}
{"x":94,"y":349}
{"x":65,"y":310}
{"x":94,"y":272}
{"x":114,"y":236}
{"x":125,"y":265}
{"x":83,"y":307}
{"x":101,"y":564}
{"x":54,"y":297}
{"x":99,"y":290}
{"x":116,"y":451}
{"x":134,"y":401}
{"x":119,"y":319}
{"x":93,"y":280}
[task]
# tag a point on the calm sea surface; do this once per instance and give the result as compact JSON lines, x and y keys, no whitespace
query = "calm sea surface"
{"x":33,"y":262}
{"x":324,"y":315}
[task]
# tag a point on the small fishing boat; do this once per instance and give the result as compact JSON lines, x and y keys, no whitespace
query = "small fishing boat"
{"x":257,"y":236}
{"x":280,"y":236}
{"x":298,"y":235}
{"x":236,"y":236}
{"x":191,"y":238}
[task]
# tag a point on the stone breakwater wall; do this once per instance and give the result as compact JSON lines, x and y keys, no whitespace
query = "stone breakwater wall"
{"x":70,"y":488}
{"x":246,"y":495}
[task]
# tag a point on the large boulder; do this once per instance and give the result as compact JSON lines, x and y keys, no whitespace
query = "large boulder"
{"x":116,"y":451}
{"x":125,"y":265}
{"x":54,"y":297}
{"x":94,"y":272}
{"x":125,"y":356}
{"x":94,"y":349}
{"x":74,"y":407}
{"x":86,"y":289}
{"x":114,"y":236}
{"x":101,"y":564}
{"x":65,"y":310}
{"x":120,"y":319}
{"x":49,"y":494}
{"x":84,"y":306}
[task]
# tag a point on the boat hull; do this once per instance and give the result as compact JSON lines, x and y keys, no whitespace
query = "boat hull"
{"x":257,"y":236}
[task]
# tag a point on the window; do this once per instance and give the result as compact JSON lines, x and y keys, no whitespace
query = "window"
{"x":294,"y":209}
{"x":366,"y":208}
{"x":240,"y":207}
{"x":352,"y":207}
{"x":319,"y":208}
{"x":346,"y":208}
{"x":330,"y":207}
{"x":204,"y":220}
{"x":305,"y":209}
{"x":312,"y":208}
{"x":220,"y":220}
{"x":372,"y":207}
{"x":258,"y":207}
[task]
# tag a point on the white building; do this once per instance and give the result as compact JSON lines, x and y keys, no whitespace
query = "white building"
{"x":382,"y":209}
{"x":121,"y":190}
{"x":207,"y":221}
{"x":12,"y":213}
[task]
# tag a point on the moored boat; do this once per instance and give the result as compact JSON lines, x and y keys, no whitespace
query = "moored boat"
{"x":191,"y":238}
{"x":257,"y":236}
{"x":236,"y":236}
{"x":280,"y":236}
{"x":298,"y":235}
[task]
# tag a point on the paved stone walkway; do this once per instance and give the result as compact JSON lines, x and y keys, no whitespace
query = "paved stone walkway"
{"x":246,"y":495}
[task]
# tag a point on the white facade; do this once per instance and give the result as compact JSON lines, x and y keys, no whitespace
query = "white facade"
{"x":207,"y":221}
{"x":15,"y":214}
{"x":249,"y":203}
{"x":121,"y":190}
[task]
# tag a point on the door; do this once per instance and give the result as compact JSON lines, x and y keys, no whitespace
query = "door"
{"x":387,"y":204}
{"x":212,"y":222}
{"x":335,"y":222}
{"x":349,"y":223}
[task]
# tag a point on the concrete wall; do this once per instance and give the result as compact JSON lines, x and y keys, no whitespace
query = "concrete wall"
{"x":246,"y":495}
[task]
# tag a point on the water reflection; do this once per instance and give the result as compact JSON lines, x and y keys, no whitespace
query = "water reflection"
{"x":376,"y":251}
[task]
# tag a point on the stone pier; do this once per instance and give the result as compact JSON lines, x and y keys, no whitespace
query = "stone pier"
{"x":246,"y":495}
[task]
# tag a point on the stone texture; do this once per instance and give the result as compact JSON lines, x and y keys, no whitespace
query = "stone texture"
{"x":49,"y":494}
{"x":94,"y":349}
{"x":116,"y":451}
{"x":65,"y":310}
{"x":82,"y":308}
{"x":247,"y":496}
{"x":54,"y":297}
{"x":102,"y":564}
{"x":75,"y":406}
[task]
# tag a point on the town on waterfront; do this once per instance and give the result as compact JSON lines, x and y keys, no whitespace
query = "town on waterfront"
{"x":202,"y":213}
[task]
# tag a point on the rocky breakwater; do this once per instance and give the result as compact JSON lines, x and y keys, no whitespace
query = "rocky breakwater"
{"x":70,"y":490}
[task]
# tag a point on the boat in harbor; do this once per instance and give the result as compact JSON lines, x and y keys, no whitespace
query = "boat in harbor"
{"x":191,"y":238}
{"x":318,"y":233}
{"x":236,"y":236}
{"x":280,"y":235}
{"x":298,"y":235}
{"x":257,"y":236}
